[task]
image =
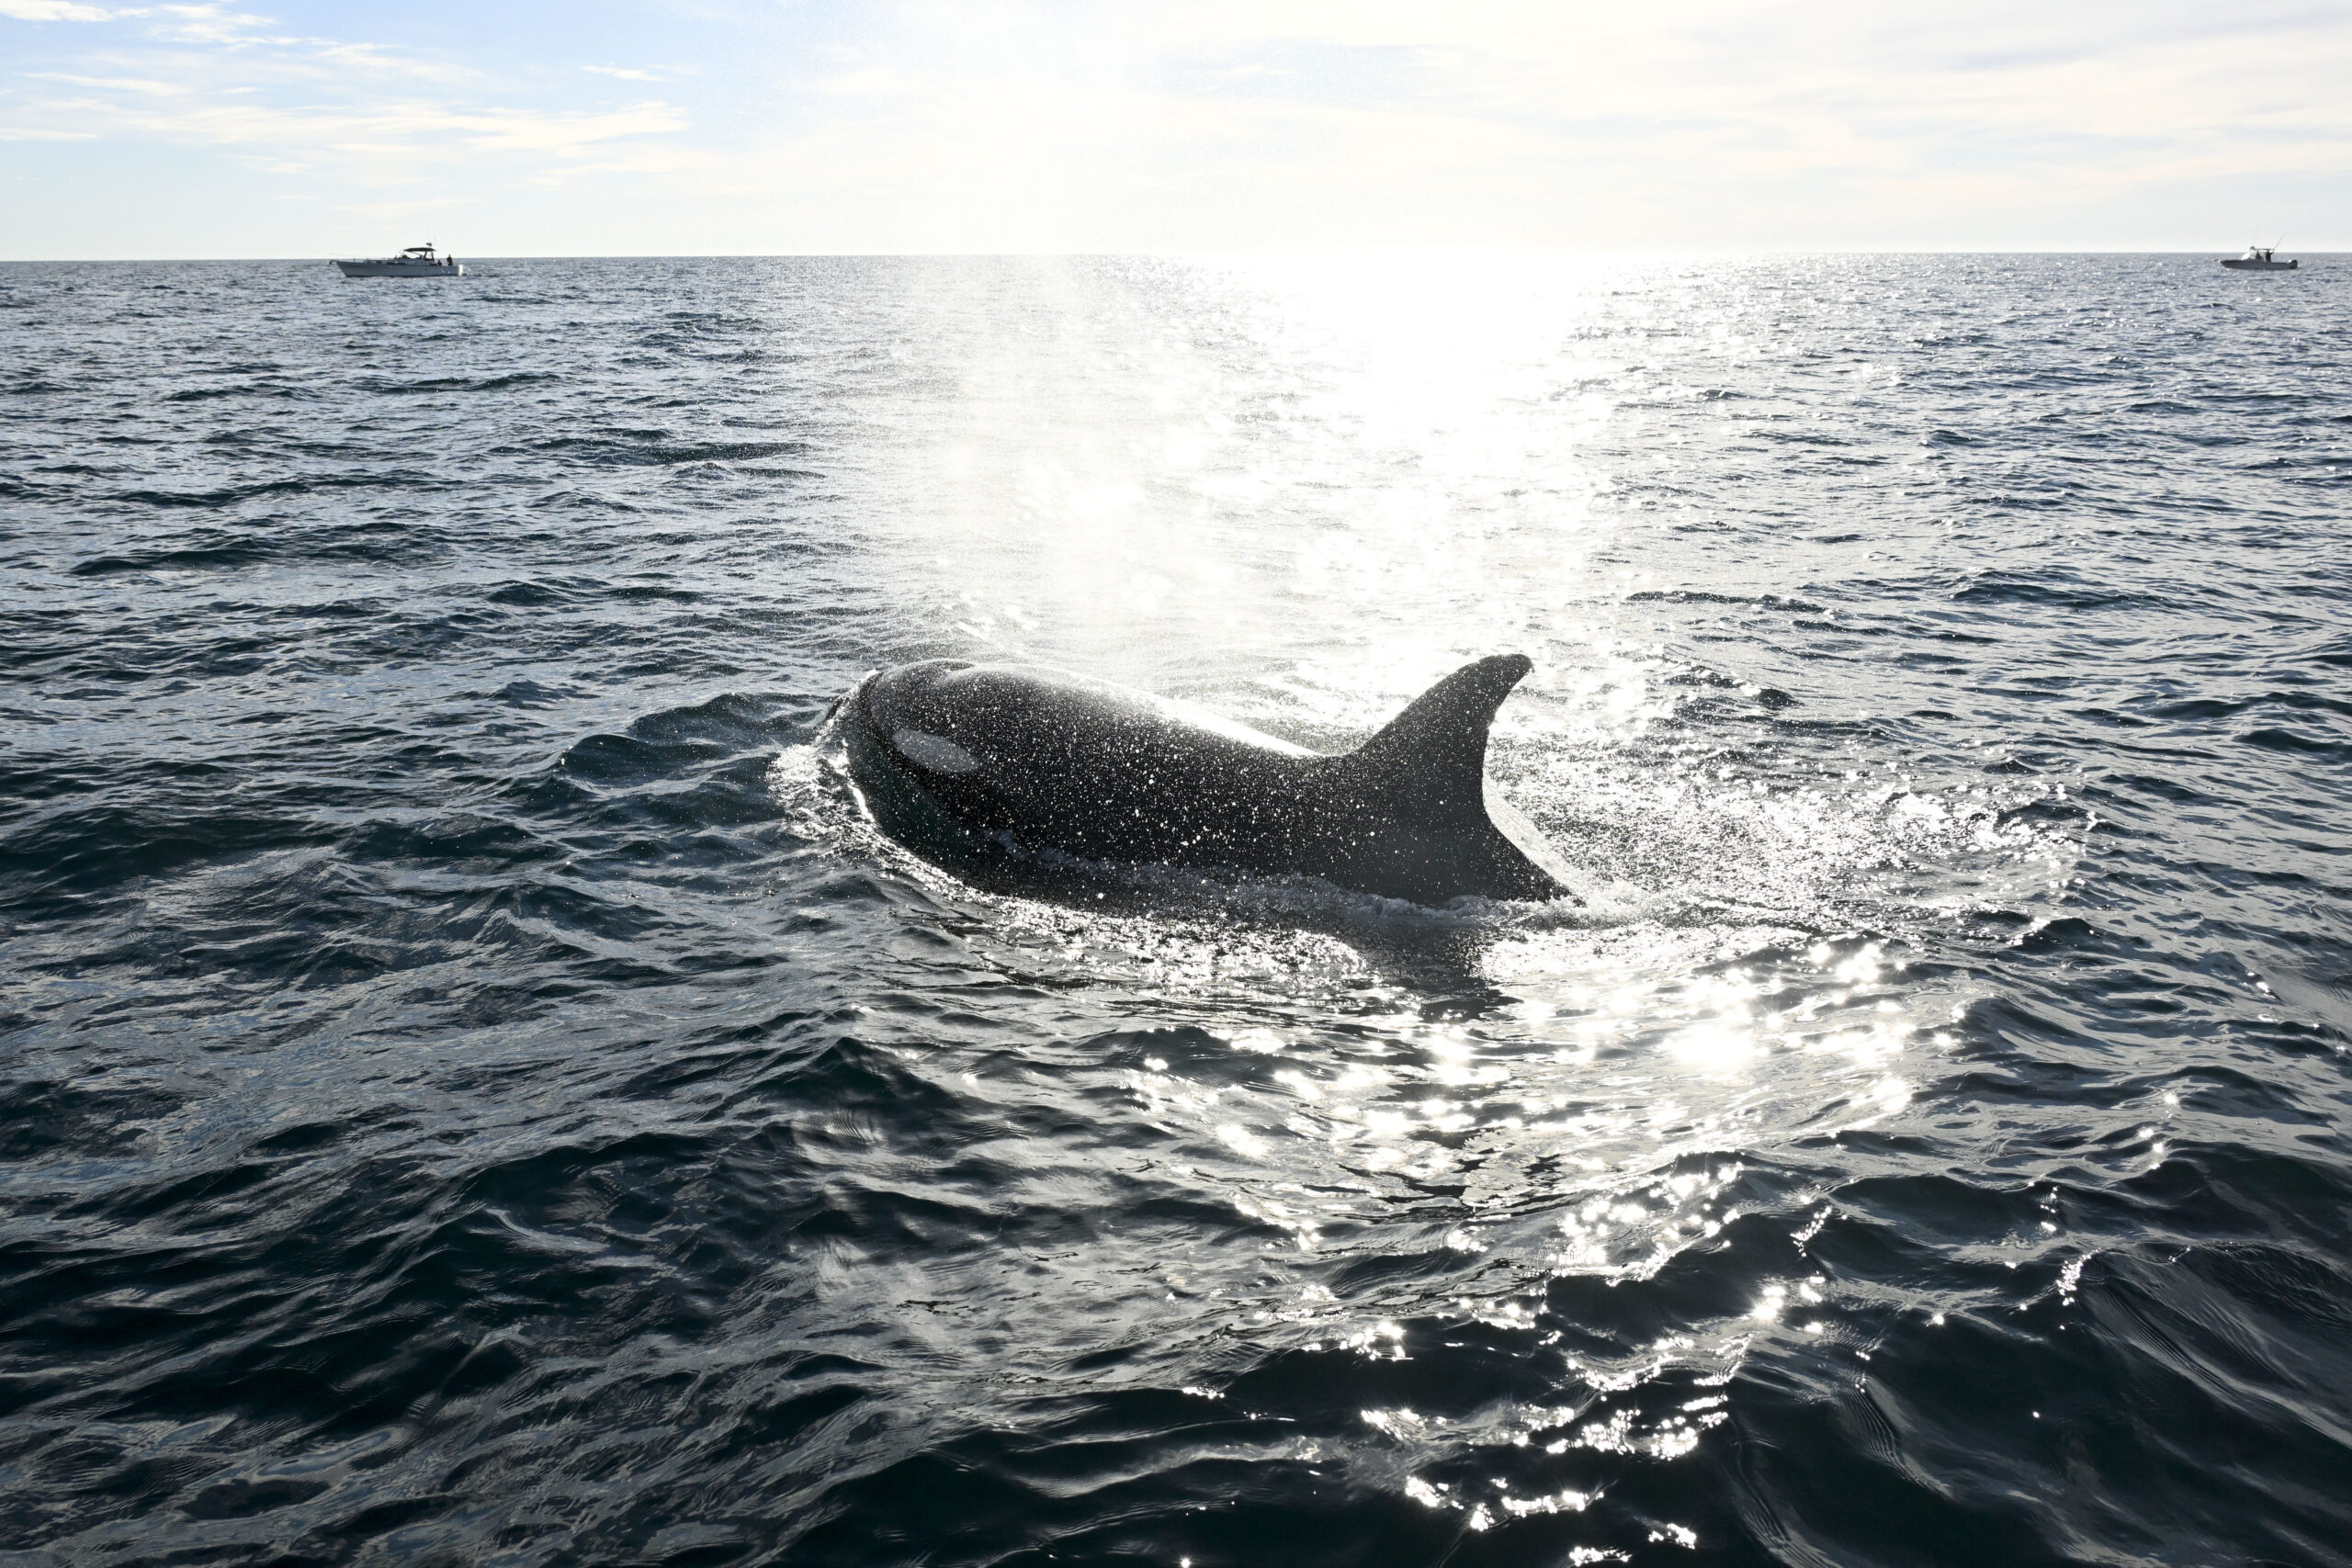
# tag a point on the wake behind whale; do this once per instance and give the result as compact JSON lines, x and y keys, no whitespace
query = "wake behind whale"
{"x":971,"y":765}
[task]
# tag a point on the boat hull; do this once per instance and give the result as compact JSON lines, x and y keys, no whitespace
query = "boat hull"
{"x":2239,"y":264}
{"x":400,"y":269}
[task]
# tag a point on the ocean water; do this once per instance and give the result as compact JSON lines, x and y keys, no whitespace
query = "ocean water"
{"x":475,"y":1090}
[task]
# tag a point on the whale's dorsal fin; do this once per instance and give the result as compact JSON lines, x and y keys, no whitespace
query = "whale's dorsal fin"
{"x":1434,"y":754}
{"x":1418,"y":789}
{"x":1427,"y":772}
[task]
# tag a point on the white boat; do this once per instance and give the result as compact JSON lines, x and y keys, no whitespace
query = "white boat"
{"x":417,"y":260}
{"x":2257,"y":259}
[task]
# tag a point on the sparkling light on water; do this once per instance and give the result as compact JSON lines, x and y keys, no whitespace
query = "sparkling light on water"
{"x":1299,"y":491}
{"x":474,"y":1085}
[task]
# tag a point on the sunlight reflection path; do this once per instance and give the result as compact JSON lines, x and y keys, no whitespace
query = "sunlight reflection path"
{"x":1296,"y":493}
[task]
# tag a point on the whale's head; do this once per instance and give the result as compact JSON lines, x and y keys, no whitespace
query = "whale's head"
{"x":922,"y":718}
{"x":912,"y":751}
{"x":952,"y":755}
{"x":1006,"y":744}
{"x":1019,"y":724}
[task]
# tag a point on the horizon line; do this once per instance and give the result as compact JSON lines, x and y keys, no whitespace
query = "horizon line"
{"x":1399,"y":251}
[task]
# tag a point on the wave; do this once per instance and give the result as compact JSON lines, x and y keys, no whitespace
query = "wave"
{"x":473,"y":1083}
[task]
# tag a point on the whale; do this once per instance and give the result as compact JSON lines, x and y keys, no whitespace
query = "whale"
{"x":970,"y":764}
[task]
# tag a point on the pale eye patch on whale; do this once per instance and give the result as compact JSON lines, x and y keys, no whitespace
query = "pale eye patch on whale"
{"x":936,"y":752}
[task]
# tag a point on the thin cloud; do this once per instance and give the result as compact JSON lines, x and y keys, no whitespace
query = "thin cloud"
{"x":118,"y":84}
{"x":51,"y":11}
{"x":375,"y":60}
{"x":1035,"y":124}
{"x":522,"y":130}
{"x":206,"y":23}
{"x":295,"y":104}
{"x":408,"y":128}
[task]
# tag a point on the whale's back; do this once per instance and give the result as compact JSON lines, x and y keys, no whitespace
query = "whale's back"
{"x":1037,"y":761}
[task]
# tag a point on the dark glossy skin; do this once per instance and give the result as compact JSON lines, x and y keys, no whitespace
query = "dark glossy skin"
{"x":962,"y":760}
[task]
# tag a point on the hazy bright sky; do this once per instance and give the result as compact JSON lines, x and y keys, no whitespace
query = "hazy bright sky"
{"x":287,"y":128}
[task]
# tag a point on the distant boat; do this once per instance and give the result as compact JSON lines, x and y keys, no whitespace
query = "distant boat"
{"x":419,"y":261}
{"x":2257,"y":259}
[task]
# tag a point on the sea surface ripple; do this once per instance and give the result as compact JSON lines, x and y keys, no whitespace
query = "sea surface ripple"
{"x":474,"y":1089}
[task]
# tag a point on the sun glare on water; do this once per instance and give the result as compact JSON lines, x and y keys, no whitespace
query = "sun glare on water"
{"x":1295,"y":491}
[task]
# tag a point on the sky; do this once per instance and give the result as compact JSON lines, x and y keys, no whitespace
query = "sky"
{"x":771,"y":126}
